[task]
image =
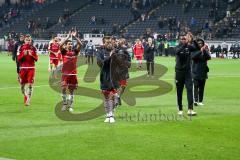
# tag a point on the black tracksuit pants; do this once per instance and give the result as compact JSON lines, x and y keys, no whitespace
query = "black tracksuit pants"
{"x":199,"y":86}
{"x":150,"y":67}
{"x":18,"y":67}
{"x":184,"y":79}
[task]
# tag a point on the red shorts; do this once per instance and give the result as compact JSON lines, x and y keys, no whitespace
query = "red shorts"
{"x":54,"y":62}
{"x":139,"y":57}
{"x":123,"y":82}
{"x":26,"y":75}
{"x":69,"y":81}
{"x":108,"y":92}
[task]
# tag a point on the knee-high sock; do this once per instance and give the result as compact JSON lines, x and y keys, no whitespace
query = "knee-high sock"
{"x":115,"y":99}
{"x":111,"y":107}
{"x":23,"y":90}
{"x":106,"y":106}
{"x":29,"y":91}
{"x":70,"y":100}
{"x":64,"y":97}
{"x":121,"y":90}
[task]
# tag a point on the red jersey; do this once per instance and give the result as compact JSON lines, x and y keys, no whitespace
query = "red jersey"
{"x":27,"y":61}
{"x":54,"y":47}
{"x":138,"y":50}
{"x":69,"y":62}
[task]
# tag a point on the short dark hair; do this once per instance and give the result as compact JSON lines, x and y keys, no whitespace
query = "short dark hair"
{"x":68,"y":41}
{"x":200,"y":40}
{"x":105,"y":38}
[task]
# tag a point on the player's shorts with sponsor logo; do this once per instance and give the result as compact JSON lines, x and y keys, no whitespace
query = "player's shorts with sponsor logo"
{"x":70,"y":81}
{"x":26,"y":75}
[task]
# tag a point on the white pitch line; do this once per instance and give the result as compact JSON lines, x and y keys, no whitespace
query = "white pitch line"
{"x":2,"y":88}
{"x":163,"y":79}
{"x":1,"y":158}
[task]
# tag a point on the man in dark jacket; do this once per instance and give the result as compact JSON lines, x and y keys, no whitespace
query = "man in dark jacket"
{"x":149,"y":49}
{"x":183,"y":72}
{"x":236,"y":50}
{"x":200,"y":71}
{"x":16,"y":50}
{"x":89,"y":52}
{"x":111,"y":63}
{"x":218,"y":51}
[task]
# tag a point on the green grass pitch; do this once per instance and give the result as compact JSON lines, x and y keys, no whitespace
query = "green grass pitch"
{"x":35,"y":133}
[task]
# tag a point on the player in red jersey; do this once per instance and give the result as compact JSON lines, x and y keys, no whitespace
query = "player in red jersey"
{"x":54,"y":55}
{"x":27,"y":58}
{"x":138,"y":51}
{"x":69,"y":70}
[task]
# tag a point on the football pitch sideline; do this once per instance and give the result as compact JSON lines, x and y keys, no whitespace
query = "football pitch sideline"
{"x":36,"y":133}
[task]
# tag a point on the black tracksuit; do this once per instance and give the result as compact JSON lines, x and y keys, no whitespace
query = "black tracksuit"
{"x":113,"y":68}
{"x":183,"y":74}
{"x":199,"y":73}
{"x":15,"y":52}
{"x":104,"y":61}
{"x":149,"y":56}
{"x":124,"y":70}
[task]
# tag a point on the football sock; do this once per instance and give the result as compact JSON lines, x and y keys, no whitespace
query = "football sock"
{"x":64,"y":98}
{"x":23,"y":90}
{"x":106,"y":106}
{"x":70,"y":99}
{"x":111,"y":107}
{"x":115,"y":101}
{"x":29,"y":91}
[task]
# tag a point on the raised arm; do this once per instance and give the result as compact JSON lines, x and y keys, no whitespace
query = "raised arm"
{"x":79,"y":43}
{"x":63,"y":42}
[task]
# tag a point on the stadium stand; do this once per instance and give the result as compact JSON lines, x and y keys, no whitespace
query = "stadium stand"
{"x":40,"y":18}
{"x":207,"y":18}
{"x":97,"y":18}
{"x":168,"y":16}
{"x":229,"y":27}
{"x":10,"y":14}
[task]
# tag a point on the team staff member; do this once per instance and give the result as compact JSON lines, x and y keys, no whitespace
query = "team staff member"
{"x":89,"y":52}
{"x":183,"y":73}
{"x":200,"y":71}
{"x":16,"y":52}
{"x":149,"y":56}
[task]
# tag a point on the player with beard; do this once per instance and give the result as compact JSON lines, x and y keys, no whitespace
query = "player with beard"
{"x":183,"y":75}
{"x":26,"y":59}
{"x":110,"y":63}
{"x":69,"y":70}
